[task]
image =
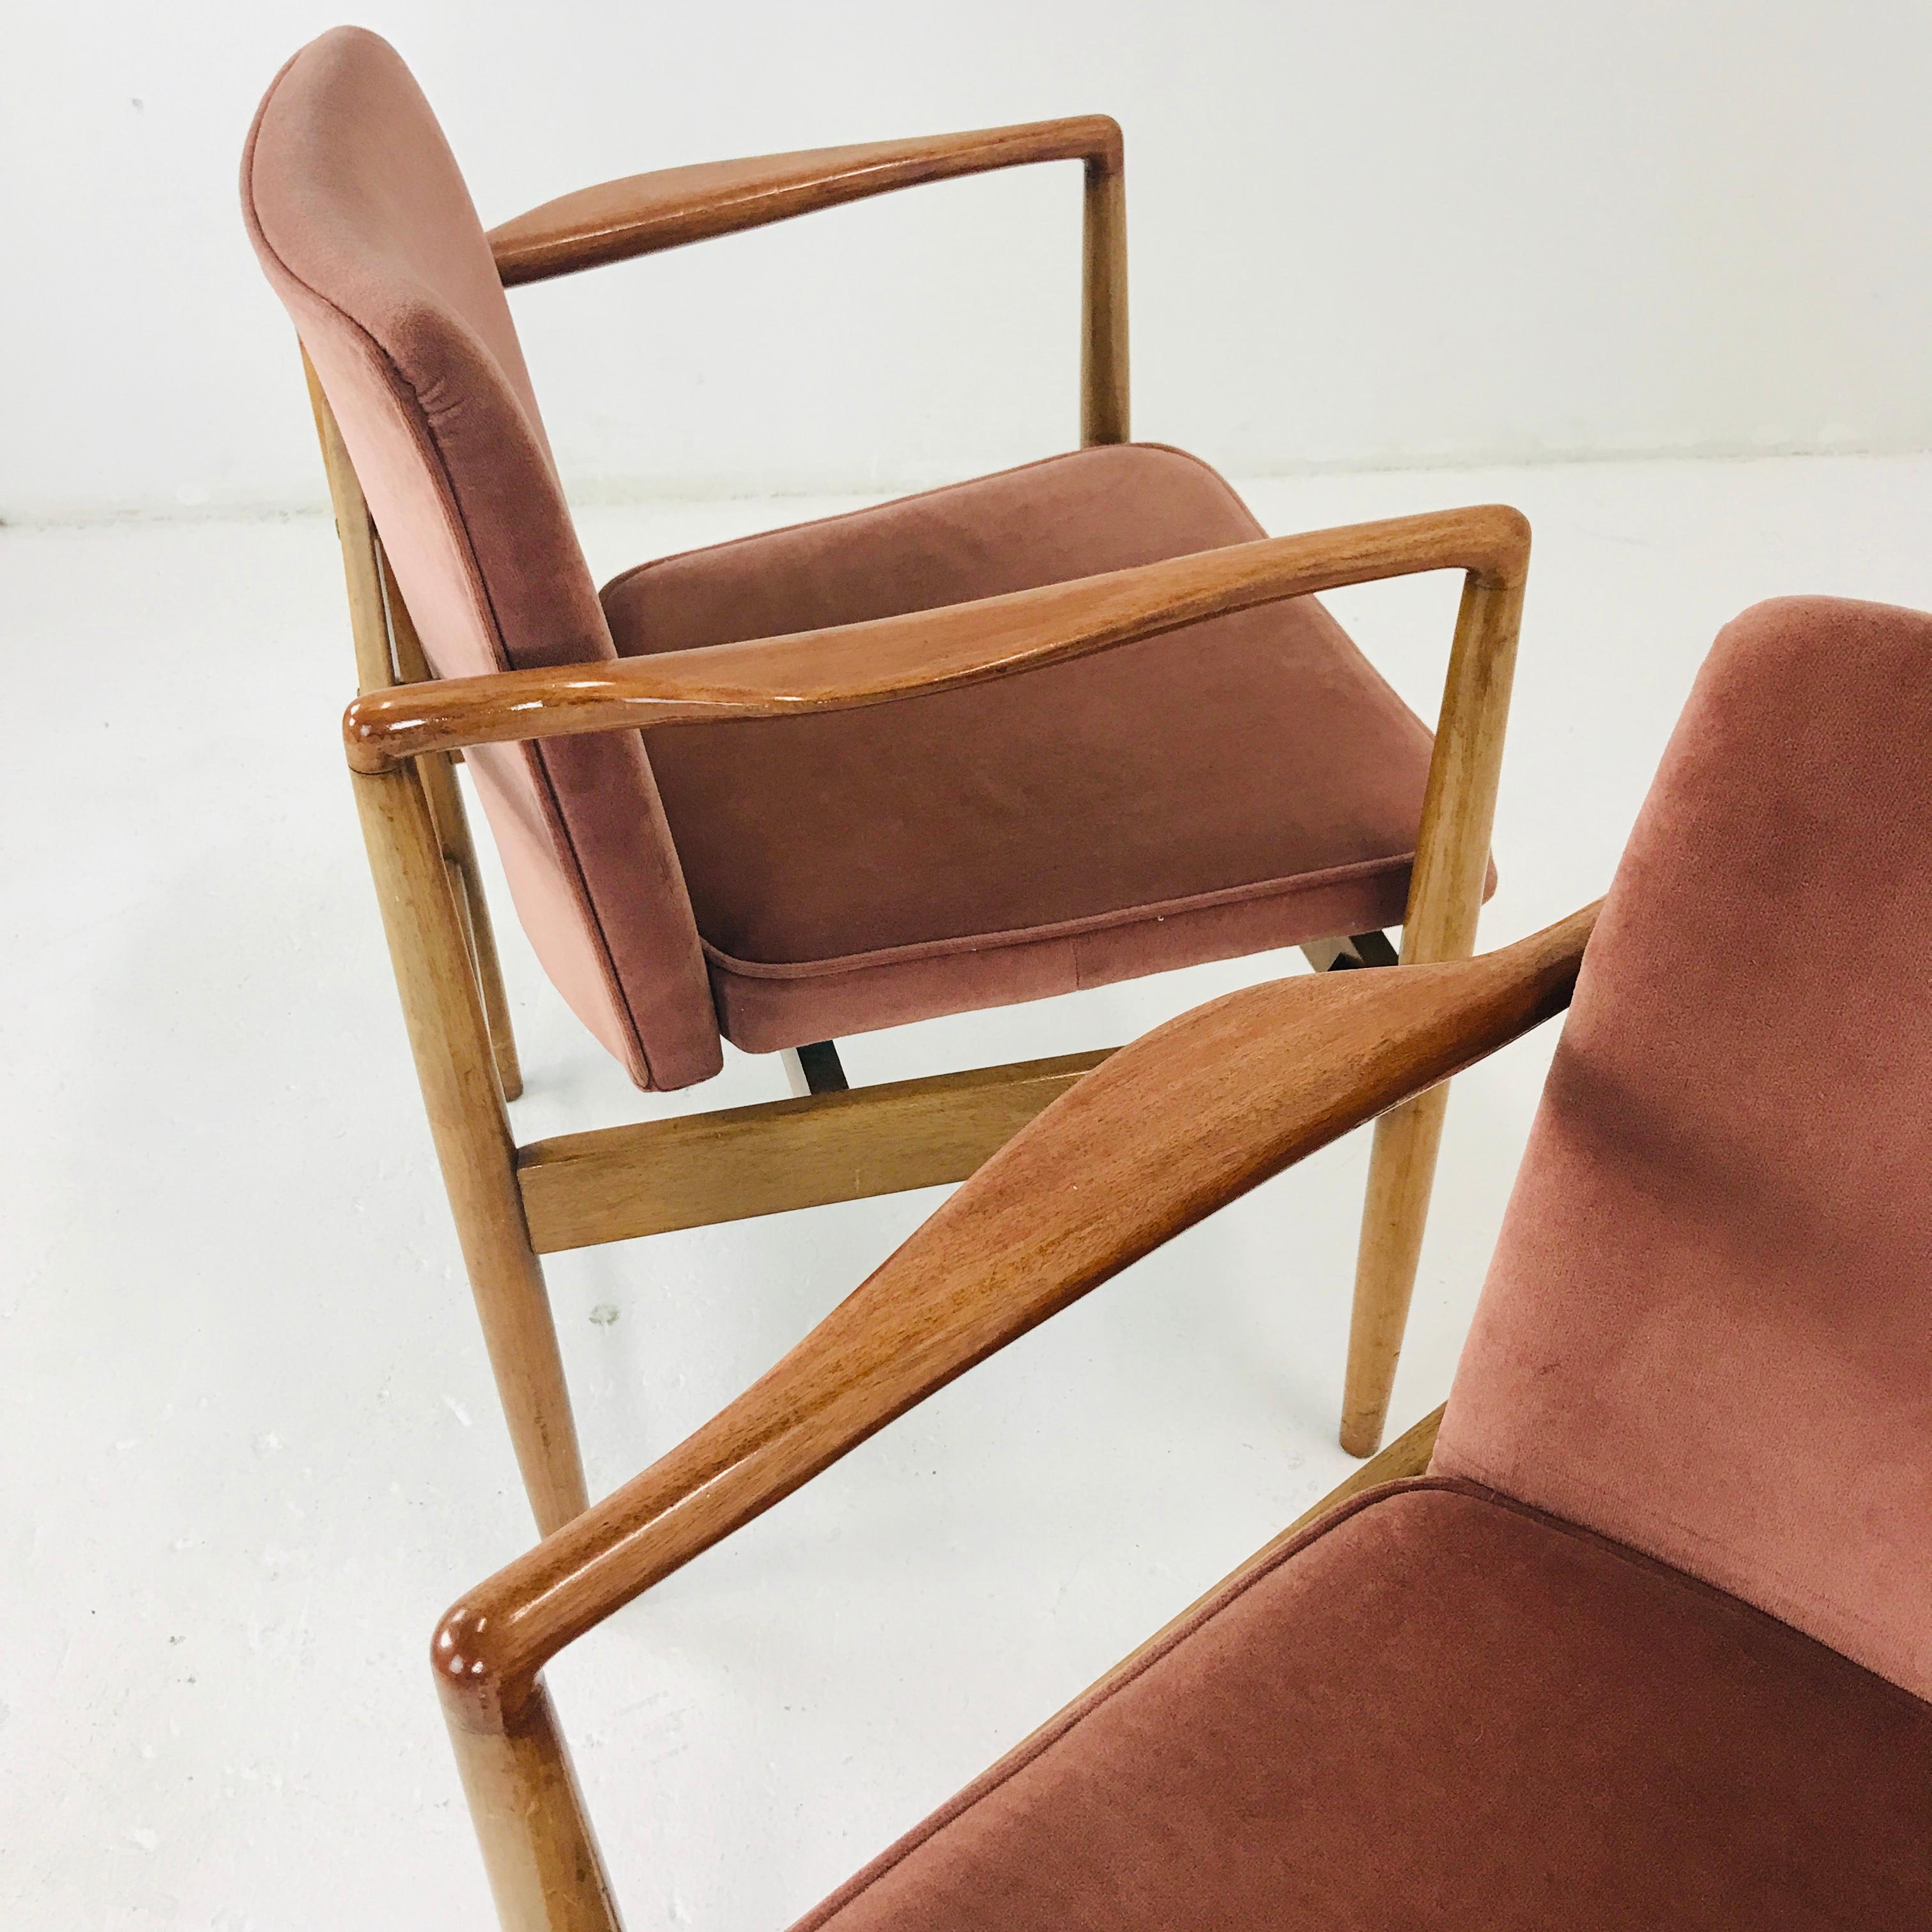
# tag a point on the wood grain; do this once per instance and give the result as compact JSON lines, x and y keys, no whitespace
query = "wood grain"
{"x":857,"y":665}
{"x":452,"y":828}
{"x":1159,"y":1136}
{"x":456,"y":1066}
{"x":546,"y":1872}
{"x":419,"y":846}
{"x":1104,"y":408}
{"x":642,"y":214}
{"x":1445,"y":897}
{"x":616,"y":1184}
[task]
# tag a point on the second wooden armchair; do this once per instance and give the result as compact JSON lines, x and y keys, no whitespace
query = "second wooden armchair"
{"x":932,"y":757}
{"x":1637,"y":1632}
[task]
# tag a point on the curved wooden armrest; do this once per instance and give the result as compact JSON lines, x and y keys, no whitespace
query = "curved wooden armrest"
{"x":642,"y":213}
{"x":870,"y":663}
{"x":1157,"y":1137}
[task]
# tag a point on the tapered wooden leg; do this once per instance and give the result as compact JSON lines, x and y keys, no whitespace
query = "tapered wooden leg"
{"x":546,"y":1873}
{"x":450,"y":1041}
{"x":1445,"y":897}
{"x":513,"y":1303}
{"x":1401,"y":1171}
{"x":1393,"y":1217}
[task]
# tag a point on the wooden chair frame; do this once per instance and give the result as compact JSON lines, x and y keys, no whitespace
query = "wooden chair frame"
{"x":1171,"y":1129}
{"x":513,"y":1204}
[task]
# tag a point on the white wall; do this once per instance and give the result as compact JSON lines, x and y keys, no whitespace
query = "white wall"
{"x":1378,"y":232}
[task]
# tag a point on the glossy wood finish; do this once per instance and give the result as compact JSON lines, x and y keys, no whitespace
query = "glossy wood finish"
{"x":387,"y":652}
{"x":546,"y":1873}
{"x":1445,"y":901}
{"x":457,"y":1070}
{"x":858,"y":664}
{"x":641,"y":1179}
{"x":1161,"y":1134}
{"x":696,"y":1170}
{"x":643,"y":214}
{"x":1104,"y":415}
{"x":871,"y":663}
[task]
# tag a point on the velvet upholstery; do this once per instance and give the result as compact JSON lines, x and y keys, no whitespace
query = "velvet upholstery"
{"x":1245,"y":784}
{"x":363,"y":225}
{"x":1705,"y":1330}
{"x":1650,"y":1646}
{"x":1248,"y":783}
{"x":1439,"y":1708}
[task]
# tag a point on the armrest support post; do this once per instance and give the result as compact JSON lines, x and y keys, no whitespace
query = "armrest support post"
{"x":643,"y":214}
{"x":1445,"y":898}
{"x":1104,"y":415}
{"x":546,"y":1872}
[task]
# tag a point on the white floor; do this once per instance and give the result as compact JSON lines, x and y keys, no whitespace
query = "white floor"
{"x":249,"y":1443}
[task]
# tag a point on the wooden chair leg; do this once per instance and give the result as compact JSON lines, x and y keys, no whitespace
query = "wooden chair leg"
{"x":1445,"y":897}
{"x":441,"y":1004}
{"x":444,"y":952}
{"x":546,"y":1873}
{"x":1401,"y":1172}
{"x":1104,"y":410}
{"x":1401,"y":1167}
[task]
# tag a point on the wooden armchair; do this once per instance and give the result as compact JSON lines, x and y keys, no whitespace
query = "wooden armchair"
{"x":941,"y":755}
{"x":1639,"y":1633}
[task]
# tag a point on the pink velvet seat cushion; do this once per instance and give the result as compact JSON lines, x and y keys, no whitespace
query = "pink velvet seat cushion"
{"x":1250,"y":782}
{"x":1441,"y":1709}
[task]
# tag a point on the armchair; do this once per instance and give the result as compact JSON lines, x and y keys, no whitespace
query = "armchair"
{"x":1634,"y":1633}
{"x":1080,"y":722}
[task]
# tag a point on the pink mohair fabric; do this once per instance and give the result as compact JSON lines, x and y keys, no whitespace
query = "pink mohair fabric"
{"x":1705,"y":1331}
{"x":1438,"y":1708}
{"x":363,"y":226}
{"x":1245,"y":784}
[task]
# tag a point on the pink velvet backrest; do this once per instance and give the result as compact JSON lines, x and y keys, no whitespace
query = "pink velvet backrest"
{"x":363,"y":224}
{"x":1708,"y":1329}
